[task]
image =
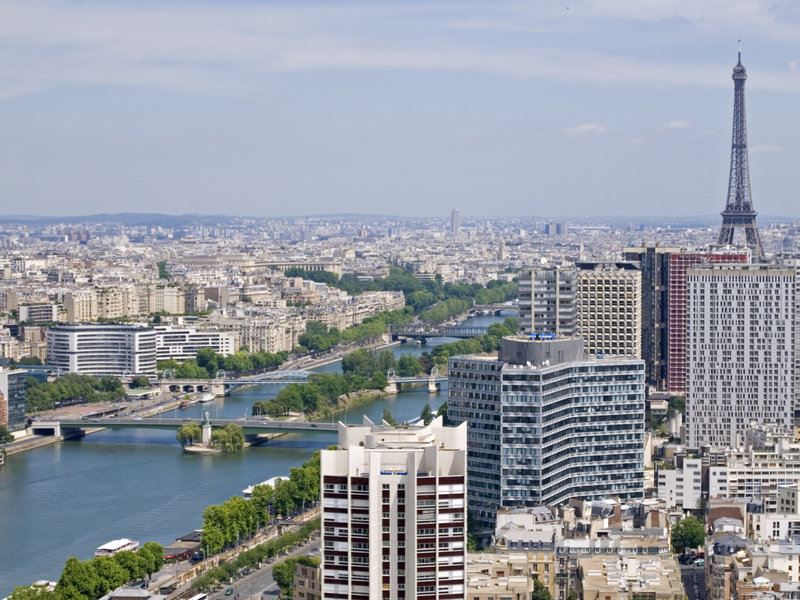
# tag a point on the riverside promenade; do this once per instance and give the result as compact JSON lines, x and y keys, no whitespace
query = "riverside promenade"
{"x":174,"y":580}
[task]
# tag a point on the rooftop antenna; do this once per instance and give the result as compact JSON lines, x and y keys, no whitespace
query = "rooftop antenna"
{"x":740,"y":53}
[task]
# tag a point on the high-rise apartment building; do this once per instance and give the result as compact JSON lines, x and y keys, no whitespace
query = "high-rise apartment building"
{"x":546,"y":424}
{"x":102,"y":348}
{"x":740,"y":351}
{"x":455,"y":222}
{"x":547,"y":301}
{"x":610,"y":308}
{"x":394,"y":513}
{"x":653,"y":262}
{"x":679,"y":262}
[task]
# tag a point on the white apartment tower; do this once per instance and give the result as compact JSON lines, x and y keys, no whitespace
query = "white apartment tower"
{"x":394,"y":513}
{"x":740,"y":339}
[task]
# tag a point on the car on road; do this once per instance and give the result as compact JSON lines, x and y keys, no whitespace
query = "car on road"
{"x":137,"y":418}
{"x":229,"y":592}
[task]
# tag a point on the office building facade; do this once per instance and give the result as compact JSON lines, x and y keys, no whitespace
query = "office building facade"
{"x":546,"y":424}
{"x":15,"y":393}
{"x":394,"y":513}
{"x":653,"y":262}
{"x":740,"y":351}
{"x":102,"y":349}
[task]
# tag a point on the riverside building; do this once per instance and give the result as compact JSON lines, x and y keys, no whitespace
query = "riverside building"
{"x":394,"y":512}
{"x":546,"y":424}
{"x":102,"y":349}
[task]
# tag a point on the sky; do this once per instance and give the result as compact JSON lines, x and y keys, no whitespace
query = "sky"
{"x":566,"y":108}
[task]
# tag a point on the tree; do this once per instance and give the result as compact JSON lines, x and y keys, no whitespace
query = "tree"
{"x":385,"y":361}
{"x":359,"y":362}
{"x":189,"y":433}
{"x":427,"y":414}
{"x":285,"y":494}
{"x":132,"y":563}
{"x":408,"y":366}
{"x":31,"y":592}
{"x":283,"y":573}
{"x":689,"y":532}
{"x":6,"y":436}
{"x":540,"y":591}
{"x":110,"y":572}
{"x":29,"y":360}
{"x":153,"y":552}
{"x":207,"y":359}
{"x":78,"y":581}
{"x":140,"y":381}
{"x":262,"y":501}
{"x":388,"y":416}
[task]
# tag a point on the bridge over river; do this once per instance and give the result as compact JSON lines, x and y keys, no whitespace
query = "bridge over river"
{"x":222,"y":386}
{"x":428,"y":331}
{"x":250,"y":425}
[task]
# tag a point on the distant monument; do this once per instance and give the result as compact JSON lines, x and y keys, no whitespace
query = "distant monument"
{"x":206,"y":425}
{"x":739,"y":210}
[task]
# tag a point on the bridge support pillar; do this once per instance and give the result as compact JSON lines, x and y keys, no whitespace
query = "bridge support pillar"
{"x":391,"y":387}
{"x":433,"y":385}
{"x":218,"y":387}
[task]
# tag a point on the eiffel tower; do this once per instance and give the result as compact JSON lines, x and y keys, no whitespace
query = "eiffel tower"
{"x":739,"y":208}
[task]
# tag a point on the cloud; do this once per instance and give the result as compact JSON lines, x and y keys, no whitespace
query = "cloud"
{"x":585,"y":129}
{"x":673,"y":125}
{"x":766,"y":149}
{"x":199,"y":47}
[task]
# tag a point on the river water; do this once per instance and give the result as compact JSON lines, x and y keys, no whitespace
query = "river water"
{"x":69,"y":498}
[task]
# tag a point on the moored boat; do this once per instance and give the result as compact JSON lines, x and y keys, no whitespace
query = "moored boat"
{"x":114,"y":546}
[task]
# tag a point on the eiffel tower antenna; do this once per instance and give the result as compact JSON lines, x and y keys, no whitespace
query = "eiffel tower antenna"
{"x":739,"y":210}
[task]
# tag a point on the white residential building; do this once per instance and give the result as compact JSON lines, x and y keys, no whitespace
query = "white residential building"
{"x":102,"y":348}
{"x":182,"y":343}
{"x":740,"y":351}
{"x":394,"y":513}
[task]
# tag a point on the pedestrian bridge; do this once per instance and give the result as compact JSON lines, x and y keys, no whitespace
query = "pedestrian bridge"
{"x":249,"y":425}
{"x":395,"y":384}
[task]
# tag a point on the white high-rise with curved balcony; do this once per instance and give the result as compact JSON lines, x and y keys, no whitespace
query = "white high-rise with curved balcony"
{"x":102,"y":348}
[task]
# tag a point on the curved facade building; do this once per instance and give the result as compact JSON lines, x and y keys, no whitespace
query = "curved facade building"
{"x":102,"y":348}
{"x":545,"y":423}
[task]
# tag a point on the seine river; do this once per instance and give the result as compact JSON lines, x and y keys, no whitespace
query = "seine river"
{"x":69,"y":498}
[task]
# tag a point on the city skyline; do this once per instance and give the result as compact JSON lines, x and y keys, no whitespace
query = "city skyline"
{"x":267,"y":109}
